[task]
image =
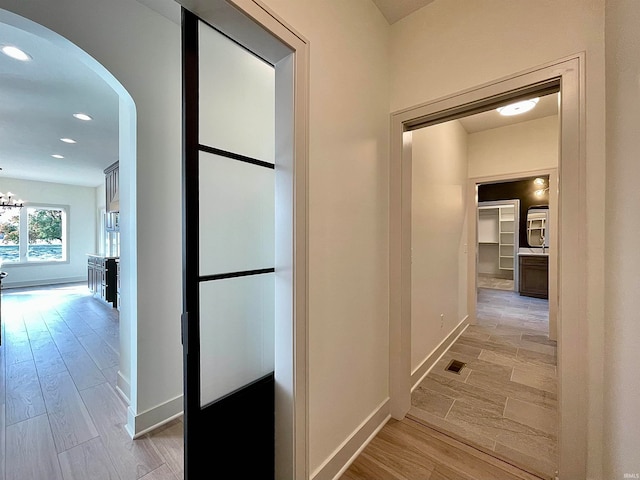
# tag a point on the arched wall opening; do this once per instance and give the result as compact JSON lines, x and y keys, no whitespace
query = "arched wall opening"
{"x":126,"y":378}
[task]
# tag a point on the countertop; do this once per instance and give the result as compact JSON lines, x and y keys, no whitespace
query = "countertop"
{"x":101,"y":256}
{"x":533,"y":252}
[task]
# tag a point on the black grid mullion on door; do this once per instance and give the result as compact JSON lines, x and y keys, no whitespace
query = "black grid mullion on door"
{"x":236,"y":156}
{"x":244,"y":273}
{"x":244,"y":159}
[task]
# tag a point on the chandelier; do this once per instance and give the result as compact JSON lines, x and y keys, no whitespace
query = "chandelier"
{"x":7,"y":200}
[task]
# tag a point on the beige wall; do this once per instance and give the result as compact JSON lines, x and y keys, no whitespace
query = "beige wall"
{"x":622,"y":388}
{"x":438,"y":208}
{"x":448,"y":47}
{"x":348,"y":246}
{"x":521,"y":147}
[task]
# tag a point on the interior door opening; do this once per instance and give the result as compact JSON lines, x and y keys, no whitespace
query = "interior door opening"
{"x":564,"y":294}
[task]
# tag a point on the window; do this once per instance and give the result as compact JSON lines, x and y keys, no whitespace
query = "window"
{"x":33,"y":234}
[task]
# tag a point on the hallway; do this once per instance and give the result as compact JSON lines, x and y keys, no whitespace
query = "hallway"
{"x":58,"y":403}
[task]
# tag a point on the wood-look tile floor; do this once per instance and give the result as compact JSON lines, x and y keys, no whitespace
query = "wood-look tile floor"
{"x":496,"y":283}
{"x":504,"y":401}
{"x":409,"y":450}
{"x":60,"y":415}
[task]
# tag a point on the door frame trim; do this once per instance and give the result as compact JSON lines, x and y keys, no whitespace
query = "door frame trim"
{"x":572,"y":272}
{"x":289,"y":54}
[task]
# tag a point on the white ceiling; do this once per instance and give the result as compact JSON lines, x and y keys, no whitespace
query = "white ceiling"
{"x":37,"y":101}
{"x":546,"y":106}
{"x":394,"y":10}
{"x":38,"y":98}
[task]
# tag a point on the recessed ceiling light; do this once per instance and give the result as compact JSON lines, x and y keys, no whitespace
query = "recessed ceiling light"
{"x":67,"y":140}
{"x":82,"y":116}
{"x":15,"y":52}
{"x":55,"y":155}
{"x":518,"y":107}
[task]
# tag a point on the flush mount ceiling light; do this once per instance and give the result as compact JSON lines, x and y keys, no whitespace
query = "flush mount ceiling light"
{"x":82,"y":116}
{"x":67,"y":140}
{"x":55,"y":155}
{"x":15,"y":52}
{"x":518,"y":107}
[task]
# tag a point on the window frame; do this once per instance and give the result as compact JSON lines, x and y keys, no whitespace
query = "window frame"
{"x":23,"y":244}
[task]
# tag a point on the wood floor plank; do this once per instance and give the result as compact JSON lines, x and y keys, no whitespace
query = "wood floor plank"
{"x":161,"y":473}
{"x":83,"y":369}
{"x":27,"y":441}
{"x":514,"y":390}
{"x":408,"y":462}
{"x":540,"y":418}
{"x":101,"y":352}
{"x":515,"y":361}
{"x":533,"y":464}
{"x":535,"y":379}
{"x":64,"y":338}
{"x":76,"y":324}
{"x":46,"y":356}
{"x":367,"y":468}
{"x":70,"y":421}
{"x":24,"y":397}
{"x":169,"y":441}
{"x":504,"y":430}
{"x":466,"y":461}
{"x":451,"y":428}
{"x":431,"y":401}
{"x":132,"y":458}
{"x":477,"y":395}
{"x":89,"y":460}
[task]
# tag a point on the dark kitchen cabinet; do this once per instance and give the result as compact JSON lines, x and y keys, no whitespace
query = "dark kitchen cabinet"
{"x":102,"y":278}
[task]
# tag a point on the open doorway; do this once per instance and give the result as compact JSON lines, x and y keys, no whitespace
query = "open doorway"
{"x":406,"y":376}
{"x":66,"y":119}
{"x":503,"y":399}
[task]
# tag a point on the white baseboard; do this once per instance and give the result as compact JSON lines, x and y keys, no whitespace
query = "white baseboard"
{"x":138,"y":425}
{"x":42,"y":282}
{"x":427,"y":364}
{"x":348,"y":451}
{"x":123,"y":387}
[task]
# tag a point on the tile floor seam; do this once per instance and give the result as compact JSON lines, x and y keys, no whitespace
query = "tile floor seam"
{"x":450,"y":407}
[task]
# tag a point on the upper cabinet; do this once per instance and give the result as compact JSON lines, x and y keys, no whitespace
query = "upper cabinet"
{"x":112,"y":187}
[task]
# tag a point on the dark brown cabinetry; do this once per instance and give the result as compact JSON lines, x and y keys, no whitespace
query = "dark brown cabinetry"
{"x":102,"y":278}
{"x":118,"y":284}
{"x":534,"y":276}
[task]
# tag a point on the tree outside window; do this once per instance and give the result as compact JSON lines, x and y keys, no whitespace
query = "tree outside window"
{"x":33,"y":234}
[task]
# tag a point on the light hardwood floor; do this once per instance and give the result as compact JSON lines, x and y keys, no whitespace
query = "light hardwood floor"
{"x":62,"y":419}
{"x":60,"y":415}
{"x":408,"y":450}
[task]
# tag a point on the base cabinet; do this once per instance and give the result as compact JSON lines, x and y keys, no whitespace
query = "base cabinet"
{"x":534,"y":276}
{"x":102,"y":278}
